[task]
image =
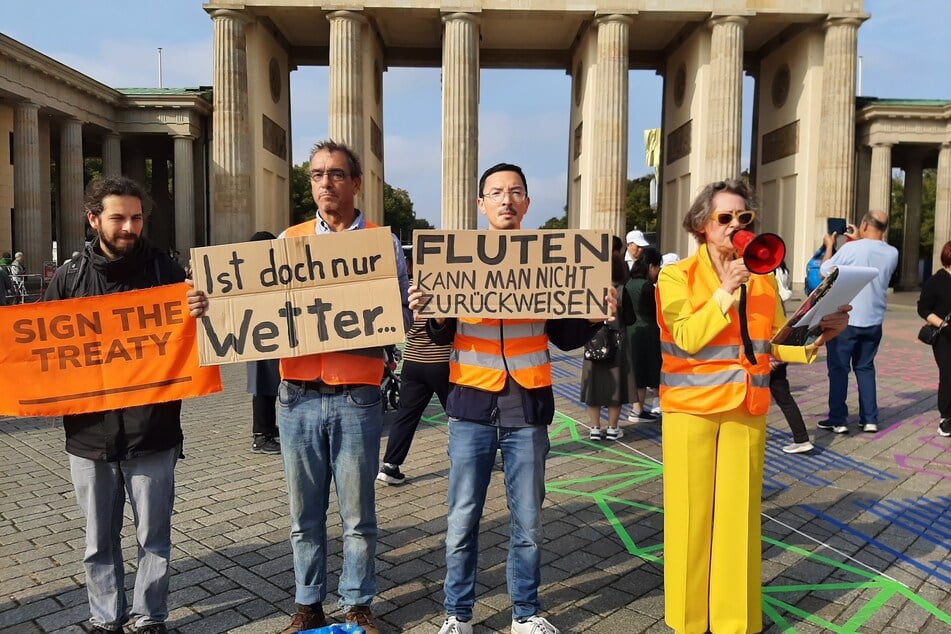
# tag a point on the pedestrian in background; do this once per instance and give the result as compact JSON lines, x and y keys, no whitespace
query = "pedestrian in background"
{"x":610,"y":383}
{"x":264,"y":378}
{"x":934,"y":306}
{"x":644,"y":334}
{"x":425,"y":372}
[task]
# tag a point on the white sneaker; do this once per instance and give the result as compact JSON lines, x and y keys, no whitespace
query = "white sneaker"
{"x":870,"y":428}
{"x":534,"y":625}
{"x":798,"y":447}
{"x":614,"y":433}
{"x":452,"y":626}
{"x":594,"y":434}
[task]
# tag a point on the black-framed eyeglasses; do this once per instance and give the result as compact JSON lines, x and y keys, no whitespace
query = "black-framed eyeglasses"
{"x":743,"y":216}
{"x":336,"y":175}
{"x":497,"y":195}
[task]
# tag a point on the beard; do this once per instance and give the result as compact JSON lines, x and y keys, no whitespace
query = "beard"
{"x":120,"y":250}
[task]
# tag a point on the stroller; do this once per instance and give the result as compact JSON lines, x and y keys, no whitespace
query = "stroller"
{"x":390,"y":387}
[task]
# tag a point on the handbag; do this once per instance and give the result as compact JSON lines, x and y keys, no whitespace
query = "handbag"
{"x":603,"y":345}
{"x":929,"y":334}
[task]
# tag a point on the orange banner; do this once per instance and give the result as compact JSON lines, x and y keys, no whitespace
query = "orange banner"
{"x":100,"y":353}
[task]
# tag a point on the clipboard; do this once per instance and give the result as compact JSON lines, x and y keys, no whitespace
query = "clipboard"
{"x":838,"y":288}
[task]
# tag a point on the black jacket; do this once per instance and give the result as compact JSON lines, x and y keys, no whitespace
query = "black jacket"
{"x":538,"y":405}
{"x":134,"y":431}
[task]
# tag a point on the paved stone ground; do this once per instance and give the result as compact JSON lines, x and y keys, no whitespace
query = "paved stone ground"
{"x":857,"y":534}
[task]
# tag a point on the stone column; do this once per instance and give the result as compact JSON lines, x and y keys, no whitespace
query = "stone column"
{"x":231,"y":157}
{"x":345,"y":114}
{"x":724,"y":125}
{"x":31,"y":233}
{"x":134,"y":160}
{"x":72,"y":221}
{"x":610,"y":124}
{"x":460,"y":120}
{"x":184,"y":185}
{"x":912,"y":232}
{"x":160,"y":221}
{"x":837,"y":125}
{"x":942,"y":205}
{"x":880,"y":180}
{"x":112,"y":155}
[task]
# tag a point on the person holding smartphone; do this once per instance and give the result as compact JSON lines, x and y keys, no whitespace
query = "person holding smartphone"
{"x":856,"y":348}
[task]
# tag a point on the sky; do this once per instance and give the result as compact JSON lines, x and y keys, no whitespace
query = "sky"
{"x":523,"y":114}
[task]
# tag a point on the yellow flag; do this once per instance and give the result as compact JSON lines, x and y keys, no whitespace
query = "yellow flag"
{"x":652,"y":147}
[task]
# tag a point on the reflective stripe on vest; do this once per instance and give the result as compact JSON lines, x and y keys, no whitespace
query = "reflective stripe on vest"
{"x":718,"y":377}
{"x":484,"y":351}
{"x":350,"y":367}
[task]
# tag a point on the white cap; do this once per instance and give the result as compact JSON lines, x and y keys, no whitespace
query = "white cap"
{"x":637,"y":237}
{"x":18,"y":254}
{"x":669,"y":258}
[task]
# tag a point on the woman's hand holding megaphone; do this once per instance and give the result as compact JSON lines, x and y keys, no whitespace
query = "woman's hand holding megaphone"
{"x":734,"y":276}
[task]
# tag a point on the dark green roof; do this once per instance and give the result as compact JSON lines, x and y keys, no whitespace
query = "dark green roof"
{"x":862,"y":102}
{"x":200,"y":91}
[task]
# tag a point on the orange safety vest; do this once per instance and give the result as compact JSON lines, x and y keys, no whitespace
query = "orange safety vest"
{"x":718,"y":377}
{"x":484,"y":351}
{"x":350,"y":367}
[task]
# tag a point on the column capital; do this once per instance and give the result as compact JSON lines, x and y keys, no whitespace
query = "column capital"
{"x":475,"y":18}
{"x":881,"y":144}
{"x":719,"y":20}
{"x":231,"y":14}
{"x":853,"y":21}
{"x":347,"y":15}
{"x":623,"y":18}
{"x":27,"y":105}
{"x":189,"y":137}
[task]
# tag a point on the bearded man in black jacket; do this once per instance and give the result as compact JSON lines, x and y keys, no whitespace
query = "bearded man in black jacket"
{"x":130,"y":451}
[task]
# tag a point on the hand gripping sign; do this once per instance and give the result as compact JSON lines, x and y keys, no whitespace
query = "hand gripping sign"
{"x":100,"y":353}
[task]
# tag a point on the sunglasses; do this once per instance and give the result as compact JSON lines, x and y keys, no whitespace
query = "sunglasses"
{"x":744,"y":216}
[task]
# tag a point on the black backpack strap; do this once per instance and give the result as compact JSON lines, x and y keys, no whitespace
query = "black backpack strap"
{"x":74,"y":276}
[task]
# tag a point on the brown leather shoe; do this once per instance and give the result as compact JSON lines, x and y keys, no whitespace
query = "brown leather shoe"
{"x":307,"y":617}
{"x":361,"y":615}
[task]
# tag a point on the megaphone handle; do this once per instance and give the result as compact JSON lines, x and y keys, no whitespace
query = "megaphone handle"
{"x":745,"y":328}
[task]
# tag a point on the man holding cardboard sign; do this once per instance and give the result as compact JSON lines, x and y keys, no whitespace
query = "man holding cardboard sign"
{"x":330,"y":416}
{"x":500,"y":399}
{"x":132,"y":450}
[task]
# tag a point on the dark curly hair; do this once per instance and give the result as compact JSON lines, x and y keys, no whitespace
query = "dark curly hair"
{"x":97,"y":191}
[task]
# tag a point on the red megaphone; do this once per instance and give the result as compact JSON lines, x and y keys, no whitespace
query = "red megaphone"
{"x":761,"y":253}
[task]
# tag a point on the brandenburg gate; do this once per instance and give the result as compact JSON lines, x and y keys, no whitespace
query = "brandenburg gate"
{"x":802,"y":54}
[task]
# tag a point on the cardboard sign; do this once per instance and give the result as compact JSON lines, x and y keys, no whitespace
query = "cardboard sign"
{"x":286,"y":298}
{"x":546,"y":274}
{"x":100,"y":353}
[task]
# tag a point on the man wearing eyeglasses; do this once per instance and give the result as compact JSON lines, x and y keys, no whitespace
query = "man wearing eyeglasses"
{"x":330,"y":421}
{"x":856,"y":348}
{"x":492,"y":408}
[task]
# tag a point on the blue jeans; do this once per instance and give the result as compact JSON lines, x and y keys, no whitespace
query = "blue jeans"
{"x":472,"y":449}
{"x":854,"y":349}
{"x":337,"y":436}
{"x":101,"y":489}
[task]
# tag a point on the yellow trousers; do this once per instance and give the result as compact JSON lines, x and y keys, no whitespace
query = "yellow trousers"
{"x":713,"y":482}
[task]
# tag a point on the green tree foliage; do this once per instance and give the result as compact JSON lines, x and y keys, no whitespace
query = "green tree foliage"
{"x":637,"y":205}
{"x":557,"y":223}
{"x":398,"y":214}
{"x":302,"y":201}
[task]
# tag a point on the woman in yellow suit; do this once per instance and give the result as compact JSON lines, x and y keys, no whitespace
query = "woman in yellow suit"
{"x":716,"y":323}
